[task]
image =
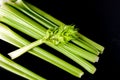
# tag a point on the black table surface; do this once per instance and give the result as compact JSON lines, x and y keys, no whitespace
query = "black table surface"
{"x":97,"y":19}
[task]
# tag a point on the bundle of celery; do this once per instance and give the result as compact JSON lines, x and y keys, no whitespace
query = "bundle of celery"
{"x":50,"y":31}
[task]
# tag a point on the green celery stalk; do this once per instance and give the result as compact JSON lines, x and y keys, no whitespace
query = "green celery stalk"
{"x":81,"y":52}
{"x":19,"y":52}
{"x":22,"y":6}
{"x":86,"y":46}
{"x":42,"y":13}
{"x":89,"y":41}
{"x":18,"y":69}
{"x":5,"y":8}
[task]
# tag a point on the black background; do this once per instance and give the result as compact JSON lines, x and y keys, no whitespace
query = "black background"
{"x":96,"y":19}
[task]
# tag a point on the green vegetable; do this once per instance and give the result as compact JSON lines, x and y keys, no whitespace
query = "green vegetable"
{"x":22,"y":50}
{"x":48,"y":21}
{"x":46,"y":29}
{"x":18,"y":41}
{"x":69,"y":53}
{"x":30,"y":25}
{"x":18,"y":69}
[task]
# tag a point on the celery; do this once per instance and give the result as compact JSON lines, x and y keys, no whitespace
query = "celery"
{"x":92,"y":57}
{"x":18,"y":41}
{"x":50,"y":22}
{"x":17,"y":53}
{"x":19,"y":19}
{"x":39,"y":25}
{"x":18,"y":69}
{"x":44,"y":18}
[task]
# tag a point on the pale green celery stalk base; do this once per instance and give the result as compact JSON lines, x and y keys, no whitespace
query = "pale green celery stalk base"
{"x":21,"y":51}
{"x":59,"y":23}
{"x":18,"y":41}
{"x":18,"y":69}
{"x":36,"y":28}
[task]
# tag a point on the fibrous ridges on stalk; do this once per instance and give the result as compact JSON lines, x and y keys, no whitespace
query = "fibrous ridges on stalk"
{"x":46,"y":29}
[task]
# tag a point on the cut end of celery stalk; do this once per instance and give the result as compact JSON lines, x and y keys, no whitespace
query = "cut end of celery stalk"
{"x":81,"y":74}
{"x":102,"y":50}
{"x":24,"y":49}
{"x":94,"y":71}
{"x":96,"y":45}
{"x":13,"y":55}
{"x":97,"y":59}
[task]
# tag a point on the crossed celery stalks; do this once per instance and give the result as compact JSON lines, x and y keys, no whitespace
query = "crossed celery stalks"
{"x":48,"y":30}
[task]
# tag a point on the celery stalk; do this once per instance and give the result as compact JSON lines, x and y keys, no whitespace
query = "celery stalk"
{"x":96,"y":45}
{"x":19,"y":52}
{"x":18,"y":69}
